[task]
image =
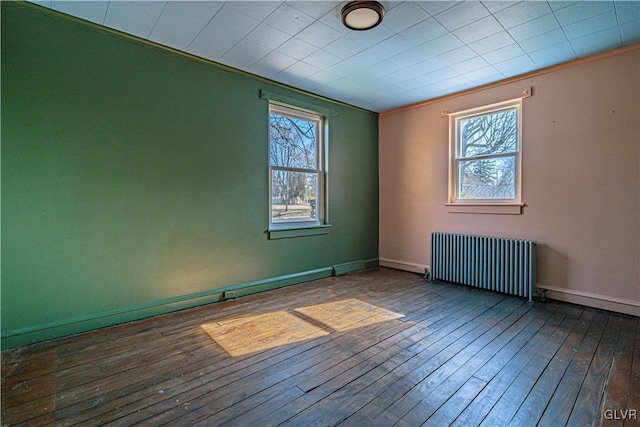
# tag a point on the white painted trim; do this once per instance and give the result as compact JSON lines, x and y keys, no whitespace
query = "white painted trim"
{"x":604,"y":302}
{"x":485,"y":208}
{"x":456,"y":205}
{"x":404,"y":265}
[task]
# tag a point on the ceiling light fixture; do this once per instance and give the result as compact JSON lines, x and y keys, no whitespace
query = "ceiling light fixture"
{"x":362,"y":15}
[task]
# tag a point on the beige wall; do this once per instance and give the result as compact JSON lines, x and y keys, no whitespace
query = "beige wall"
{"x":580,"y":180}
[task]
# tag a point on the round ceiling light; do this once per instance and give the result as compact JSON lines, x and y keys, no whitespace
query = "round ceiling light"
{"x":362,"y":15}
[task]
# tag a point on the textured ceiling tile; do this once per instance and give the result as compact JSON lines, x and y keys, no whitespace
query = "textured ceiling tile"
{"x":364,"y":59}
{"x":407,"y":58}
{"x":288,"y":19}
{"x":94,"y":11}
{"x":591,"y":25}
{"x":594,"y":43}
{"x":346,"y":85}
{"x":491,"y":43}
{"x":369,"y":81}
{"x":272,"y":64}
{"x":318,"y":34}
{"x":522,"y":12}
{"x":469,"y":65}
{"x":390,"y":47}
{"x":299,"y":70}
{"x":180,"y":22}
{"x":542,"y":41}
{"x":533,"y":28}
{"x":323,"y":77}
{"x":386,"y":67}
{"x":415,"y":83}
{"x":441,"y":44}
{"x":439,"y":75}
{"x":496,"y":6}
{"x":425,"y":67}
{"x":134,"y":17}
{"x":435,"y":7}
{"x":462,"y":14}
{"x":332,"y":19}
{"x":424,"y":31}
{"x":267,"y":36}
{"x":321,"y":59}
{"x":478,"y":30}
{"x":556,"y":54}
{"x":455,"y":56}
{"x":403,"y":75}
{"x":226,"y":29}
{"x":255,"y":9}
{"x":627,"y":11}
{"x":405,"y":15}
{"x":483,"y":75}
{"x":244,"y":54}
{"x":315,"y":9}
{"x":296,"y":48}
{"x":503,"y":54}
{"x":349,"y":66}
{"x":557,"y":5}
{"x":630,"y":32}
{"x":43,"y":3}
{"x":580,"y":11}
{"x":345,"y":47}
{"x":372,"y":36}
{"x":514,"y":66}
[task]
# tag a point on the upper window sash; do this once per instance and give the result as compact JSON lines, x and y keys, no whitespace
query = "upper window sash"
{"x":308,"y":117}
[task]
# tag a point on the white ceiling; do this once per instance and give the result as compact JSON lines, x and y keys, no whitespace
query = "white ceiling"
{"x":422,"y":50}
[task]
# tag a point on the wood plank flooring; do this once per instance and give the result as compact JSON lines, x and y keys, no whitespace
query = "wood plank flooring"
{"x":459,"y":356}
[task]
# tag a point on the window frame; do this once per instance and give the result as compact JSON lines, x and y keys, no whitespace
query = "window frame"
{"x":283,"y":228}
{"x":494,"y":205}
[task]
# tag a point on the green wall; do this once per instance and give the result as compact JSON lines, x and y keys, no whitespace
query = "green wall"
{"x":135,"y":181}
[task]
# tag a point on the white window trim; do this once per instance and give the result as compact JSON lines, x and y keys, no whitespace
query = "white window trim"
{"x":286,"y":229}
{"x":486,"y":206}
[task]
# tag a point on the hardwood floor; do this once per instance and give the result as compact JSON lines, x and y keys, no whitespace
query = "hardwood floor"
{"x":459,"y":356}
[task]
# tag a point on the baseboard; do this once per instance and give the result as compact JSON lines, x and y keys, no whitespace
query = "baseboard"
{"x":587,"y":299}
{"x":349,"y":267}
{"x":78,"y":324}
{"x":604,"y":302}
{"x":403,"y":265}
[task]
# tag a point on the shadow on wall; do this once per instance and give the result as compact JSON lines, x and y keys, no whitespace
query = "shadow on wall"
{"x":552,"y":267}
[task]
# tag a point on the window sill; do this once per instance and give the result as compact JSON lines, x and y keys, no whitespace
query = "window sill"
{"x":288,"y":231}
{"x":486,"y":208}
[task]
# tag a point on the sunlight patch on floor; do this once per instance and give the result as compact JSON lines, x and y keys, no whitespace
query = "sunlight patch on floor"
{"x":249,"y":334}
{"x":348,"y":314}
{"x":261,"y":332}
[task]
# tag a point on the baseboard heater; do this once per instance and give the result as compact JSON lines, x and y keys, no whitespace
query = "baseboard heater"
{"x":497,"y":264}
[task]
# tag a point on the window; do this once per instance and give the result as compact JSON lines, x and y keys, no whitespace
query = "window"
{"x":295,"y":167}
{"x":485,"y":155}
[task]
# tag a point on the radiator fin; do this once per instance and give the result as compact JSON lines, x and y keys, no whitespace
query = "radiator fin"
{"x":497,"y":264}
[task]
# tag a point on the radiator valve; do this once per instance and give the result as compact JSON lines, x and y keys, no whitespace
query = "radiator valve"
{"x":543,"y":295}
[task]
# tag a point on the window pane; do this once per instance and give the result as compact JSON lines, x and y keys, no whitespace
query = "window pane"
{"x":292,"y":142}
{"x":487,"y":178}
{"x":488,"y":134}
{"x":293,"y":196}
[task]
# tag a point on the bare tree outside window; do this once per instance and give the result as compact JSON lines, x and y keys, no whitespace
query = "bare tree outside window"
{"x":294,"y":159}
{"x":487,"y":147}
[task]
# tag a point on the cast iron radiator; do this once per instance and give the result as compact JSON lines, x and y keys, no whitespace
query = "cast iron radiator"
{"x":497,"y":264}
